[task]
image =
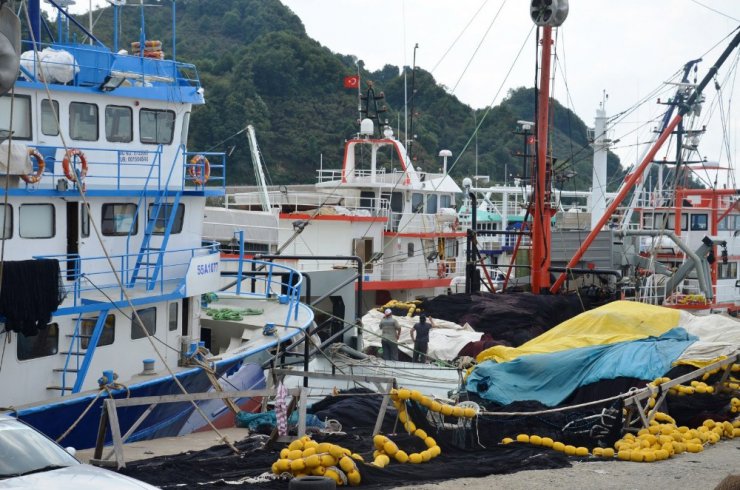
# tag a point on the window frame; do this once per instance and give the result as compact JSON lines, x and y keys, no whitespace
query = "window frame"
{"x":103,"y":220}
{"x":130,"y":128}
{"x":107,"y":336}
{"x":136,"y":332}
{"x":170,"y":322}
{"x":179,"y":217}
{"x":29,"y":128}
{"x":157,"y":112}
{"x":84,"y":220}
{"x":54,"y":114}
{"x":695,"y":222}
{"x":72,"y":127}
{"x":8,"y":214}
{"x":53,"y":221}
{"x":52,"y":350}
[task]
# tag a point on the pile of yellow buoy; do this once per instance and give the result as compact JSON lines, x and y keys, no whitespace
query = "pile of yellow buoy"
{"x":411,"y":306}
{"x":663,"y":438}
{"x":305,"y":457}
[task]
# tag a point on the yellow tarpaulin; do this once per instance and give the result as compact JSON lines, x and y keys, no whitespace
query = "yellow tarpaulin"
{"x":619,"y":321}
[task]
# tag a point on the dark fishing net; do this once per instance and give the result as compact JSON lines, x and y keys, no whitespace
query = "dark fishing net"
{"x":356,"y":409}
{"x":219,"y":467}
{"x":511,"y":318}
{"x":31,"y":292}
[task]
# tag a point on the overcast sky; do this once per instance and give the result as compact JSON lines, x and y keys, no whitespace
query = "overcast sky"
{"x":624,"y":47}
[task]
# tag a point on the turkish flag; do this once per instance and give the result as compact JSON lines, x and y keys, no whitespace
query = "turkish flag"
{"x":352,"y":81}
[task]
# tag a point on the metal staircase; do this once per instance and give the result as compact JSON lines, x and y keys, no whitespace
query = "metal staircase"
{"x":150,"y":259}
{"x":72,"y":362}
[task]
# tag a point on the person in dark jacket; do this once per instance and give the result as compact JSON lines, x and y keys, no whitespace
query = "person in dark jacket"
{"x":420,"y":336}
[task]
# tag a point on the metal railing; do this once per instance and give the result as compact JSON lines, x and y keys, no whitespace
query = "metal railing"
{"x":93,"y":275}
{"x":265,"y":280}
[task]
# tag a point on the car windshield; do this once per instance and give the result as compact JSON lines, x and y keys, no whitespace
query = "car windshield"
{"x":23,"y":450}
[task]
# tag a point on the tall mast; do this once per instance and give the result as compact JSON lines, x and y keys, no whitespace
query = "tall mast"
{"x":542,"y":213}
{"x":683,"y":109}
{"x":546,"y":14}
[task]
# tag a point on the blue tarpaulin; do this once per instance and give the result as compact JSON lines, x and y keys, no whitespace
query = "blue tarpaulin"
{"x":550,"y":378}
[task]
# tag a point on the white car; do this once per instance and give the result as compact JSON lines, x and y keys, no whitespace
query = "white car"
{"x":29,"y":459}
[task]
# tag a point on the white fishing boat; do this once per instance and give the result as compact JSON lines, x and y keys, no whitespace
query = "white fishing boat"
{"x":103,"y":258}
{"x":399,"y":221}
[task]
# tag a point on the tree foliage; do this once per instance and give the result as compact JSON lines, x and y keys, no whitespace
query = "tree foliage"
{"x":259,"y":67}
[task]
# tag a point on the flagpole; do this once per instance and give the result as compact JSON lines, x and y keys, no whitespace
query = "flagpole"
{"x":359,"y":92}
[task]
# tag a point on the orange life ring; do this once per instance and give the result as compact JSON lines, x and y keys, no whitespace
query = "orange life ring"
{"x":442,"y":270}
{"x":67,"y":167}
{"x":199,"y":175}
{"x":40,"y":166}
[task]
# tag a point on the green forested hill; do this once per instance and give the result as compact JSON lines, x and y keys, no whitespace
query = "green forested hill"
{"x":259,"y":67}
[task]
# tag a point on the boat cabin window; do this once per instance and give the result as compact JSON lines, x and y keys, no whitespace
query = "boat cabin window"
{"x":84,"y":221}
{"x":107,"y":336}
{"x":647,"y":221}
{"x":149,"y":320}
{"x":83,"y":121}
{"x":730,"y":222}
{"x":410,"y":249}
{"x":445,"y":201}
{"x":417,"y":202}
{"x":118,"y":219}
{"x":165,"y":210}
{"x":699,"y":222}
{"x":119,"y":124}
{"x":36,"y":221}
{"x":50,"y":117}
{"x":397,"y":202}
{"x":7,"y":223}
{"x":432,"y":203}
{"x":727,"y":271}
{"x":172,"y":317}
{"x":451,"y":248}
{"x":367,"y":199}
{"x":156,"y":127}
{"x":21,"y":108}
{"x":45,"y":343}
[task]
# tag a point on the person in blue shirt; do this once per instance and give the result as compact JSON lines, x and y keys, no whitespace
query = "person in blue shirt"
{"x":420,"y":336}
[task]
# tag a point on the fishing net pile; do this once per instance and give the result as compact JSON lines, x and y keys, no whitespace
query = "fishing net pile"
{"x":31,"y":292}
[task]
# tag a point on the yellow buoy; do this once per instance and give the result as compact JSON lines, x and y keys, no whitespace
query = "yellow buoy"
{"x":401,"y":456}
{"x":522,"y":438}
{"x":410,"y":427}
{"x":507,"y":440}
{"x":313,"y":461}
{"x":415,"y":458}
{"x":608,"y":452}
{"x":446,"y":410}
{"x":426,"y":455}
{"x":297,"y":444}
{"x":547,"y":442}
{"x":295,"y":454}
{"x":570,"y":450}
{"x":309,"y":452}
{"x":284,"y":453}
{"x":297,"y":465}
{"x":420,"y":433}
{"x":404,"y":394}
{"x":636,"y":456}
{"x":353,"y":477}
{"x":581,"y":451}
{"x":347,"y":464}
{"x":469,"y":413}
{"x":318,"y":471}
{"x":624,"y":455}
{"x":379,"y":441}
{"x":535,"y":439}
{"x":435,"y":451}
{"x":390,"y":448}
{"x":430,"y":442}
{"x":558,"y":446}
{"x":416,"y":395}
{"x":328,"y":460}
